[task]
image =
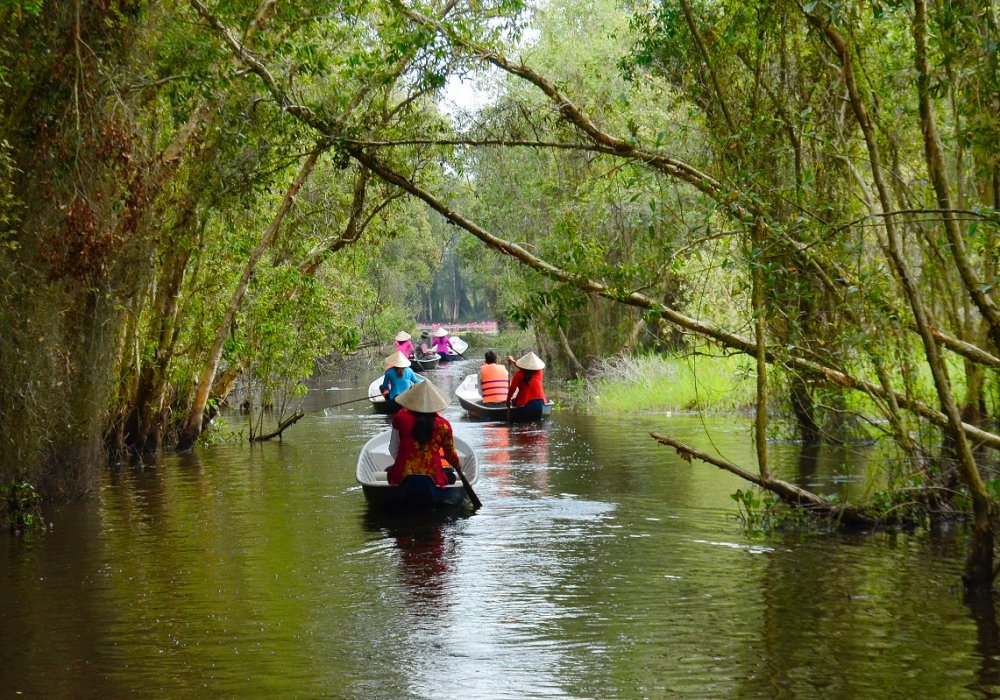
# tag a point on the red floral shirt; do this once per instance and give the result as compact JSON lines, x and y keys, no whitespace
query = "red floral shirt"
{"x":414,"y":458}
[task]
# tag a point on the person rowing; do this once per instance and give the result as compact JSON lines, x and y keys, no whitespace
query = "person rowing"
{"x":526,"y":385}
{"x":422,"y":442}
{"x":398,"y":378}
{"x":442,"y":344}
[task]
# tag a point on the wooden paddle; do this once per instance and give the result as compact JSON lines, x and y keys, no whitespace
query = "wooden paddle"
{"x":363,"y":398}
{"x":507,"y":362}
{"x":476,"y":503}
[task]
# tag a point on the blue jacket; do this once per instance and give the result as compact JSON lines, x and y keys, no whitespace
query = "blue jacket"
{"x":396,"y":384}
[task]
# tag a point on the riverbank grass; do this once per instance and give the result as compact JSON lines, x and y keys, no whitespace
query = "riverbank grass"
{"x":654,"y":383}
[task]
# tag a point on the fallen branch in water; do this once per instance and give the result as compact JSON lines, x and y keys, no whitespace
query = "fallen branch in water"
{"x":281,"y":428}
{"x":789,"y":493}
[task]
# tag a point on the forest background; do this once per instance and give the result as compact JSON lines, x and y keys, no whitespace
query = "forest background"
{"x":196,"y":195}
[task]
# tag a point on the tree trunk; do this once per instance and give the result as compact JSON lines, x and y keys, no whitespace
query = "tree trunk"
{"x":980,"y":555}
{"x":760,"y":323}
{"x":939,"y":177}
{"x":805,"y":412}
{"x":578,"y":369}
{"x":193,"y":426}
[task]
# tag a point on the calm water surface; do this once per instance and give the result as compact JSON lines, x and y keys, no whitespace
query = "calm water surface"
{"x":601,"y":566}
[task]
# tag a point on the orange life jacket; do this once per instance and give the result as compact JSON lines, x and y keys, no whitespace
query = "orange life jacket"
{"x":493,"y":378}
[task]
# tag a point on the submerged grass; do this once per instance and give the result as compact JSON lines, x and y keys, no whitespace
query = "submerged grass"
{"x":693,"y":382}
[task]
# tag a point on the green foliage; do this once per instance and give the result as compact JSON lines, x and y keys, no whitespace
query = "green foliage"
{"x":672,"y":383}
{"x":223,"y":432}
{"x":902,"y":507}
{"x":31,"y":8}
{"x":23,"y":507}
{"x":754,"y":509}
{"x":762,"y":512}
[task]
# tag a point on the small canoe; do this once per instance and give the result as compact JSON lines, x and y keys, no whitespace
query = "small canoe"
{"x":378,"y":401}
{"x":460,"y":346}
{"x":422,"y":364}
{"x":415,"y":491}
{"x":472,"y":401}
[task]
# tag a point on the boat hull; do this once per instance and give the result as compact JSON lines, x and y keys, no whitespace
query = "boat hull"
{"x":379,"y":403}
{"x":459,"y":346}
{"x":416,"y":492}
{"x":425,"y":363}
{"x":518,"y":414}
{"x":471,"y":400}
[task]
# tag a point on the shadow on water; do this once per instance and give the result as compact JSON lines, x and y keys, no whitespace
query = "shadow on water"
{"x":983,"y":610}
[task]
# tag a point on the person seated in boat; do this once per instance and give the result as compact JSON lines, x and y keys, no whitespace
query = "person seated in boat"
{"x":442,"y":343}
{"x":493,"y":380}
{"x":426,"y":347}
{"x":404,"y":344}
{"x":526,"y":385}
{"x":422,"y":442}
{"x":398,"y":377}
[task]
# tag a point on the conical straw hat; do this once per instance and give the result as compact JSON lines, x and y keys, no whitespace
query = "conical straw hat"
{"x":402,"y":335}
{"x":441,"y":332}
{"x":423,"y":398}
{"x":530,"y":361}
{"x":397,"y":359}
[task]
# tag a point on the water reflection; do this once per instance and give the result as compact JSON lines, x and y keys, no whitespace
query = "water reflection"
{"x":422,"y":547}
{"x":984,"y":613}
{"x":531,"y":451}
{"x":496,"y":453}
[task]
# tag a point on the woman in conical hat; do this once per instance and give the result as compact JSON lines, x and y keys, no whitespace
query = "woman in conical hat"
{"x":397,"y":378}
{"x":404,"y":344}
{"x":442,"y":343}
{"x":422,"y":442}
{"x":526,"y":384}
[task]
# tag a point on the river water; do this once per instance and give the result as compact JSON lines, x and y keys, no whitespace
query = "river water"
{"x":601,"y":566}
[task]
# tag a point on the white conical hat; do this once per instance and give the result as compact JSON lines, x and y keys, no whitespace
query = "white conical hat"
{"x":530,"y":361}
{"x":397,"y":359}
{"x":423,"y":398}
{"x":440,"y":332}
{"x":402,"y":335}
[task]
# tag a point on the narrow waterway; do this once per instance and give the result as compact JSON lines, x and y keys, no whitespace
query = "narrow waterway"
{"x":601,"y":566}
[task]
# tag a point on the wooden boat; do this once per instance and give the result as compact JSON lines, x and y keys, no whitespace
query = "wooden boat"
{"x":415,"y":491}
{"x":472,"y":401}
{"x":422,"y":364}
{"x":460,"y":346}
{"x":379,"y":402}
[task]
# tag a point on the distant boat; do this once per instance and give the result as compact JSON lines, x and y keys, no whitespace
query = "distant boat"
{"x":414,"y":491}
{"x":472,"y":401}
{"x":422,"y":364}
{"x":459,"y":346}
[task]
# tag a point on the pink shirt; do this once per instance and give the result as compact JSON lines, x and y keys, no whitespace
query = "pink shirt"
{"x":405,"y":347}
{"x":442,"y":346}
